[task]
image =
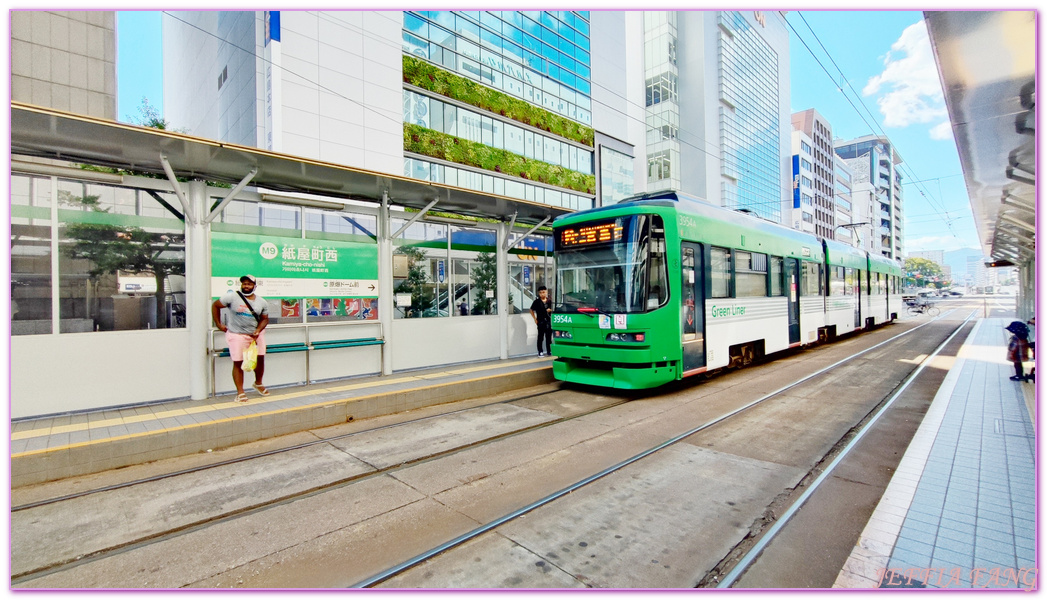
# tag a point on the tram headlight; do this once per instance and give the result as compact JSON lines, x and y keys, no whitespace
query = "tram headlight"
{"x":625,"y":337}
{"x":561,"y":335}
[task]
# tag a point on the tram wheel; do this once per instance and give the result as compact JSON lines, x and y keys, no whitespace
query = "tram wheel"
{"x":748,"y":354}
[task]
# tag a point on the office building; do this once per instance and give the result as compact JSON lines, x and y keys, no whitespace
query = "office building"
{"x":878,"y":185}
{"x":717,"y":99}
{"x":850,"y":227}
{"x":526,"y":104}
{"x":65,"y":60}
{"x":813,"y":173}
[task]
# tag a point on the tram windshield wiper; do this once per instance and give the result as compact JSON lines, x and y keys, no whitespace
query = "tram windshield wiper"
{"x":589,"y":310}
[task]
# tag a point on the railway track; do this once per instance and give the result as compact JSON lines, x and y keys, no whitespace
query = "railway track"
{"x":23,"y":574}
{"x":757,"y":545}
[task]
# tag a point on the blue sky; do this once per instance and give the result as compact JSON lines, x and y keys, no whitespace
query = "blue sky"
{"x":888,"y":76}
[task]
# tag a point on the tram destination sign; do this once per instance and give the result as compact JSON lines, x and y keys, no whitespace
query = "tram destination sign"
{"x":590,"y":235}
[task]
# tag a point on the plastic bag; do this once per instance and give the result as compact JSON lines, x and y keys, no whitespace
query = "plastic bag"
{"x":250,"y":357}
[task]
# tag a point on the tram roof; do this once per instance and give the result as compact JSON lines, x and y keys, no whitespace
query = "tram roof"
{"x":47,"y":133}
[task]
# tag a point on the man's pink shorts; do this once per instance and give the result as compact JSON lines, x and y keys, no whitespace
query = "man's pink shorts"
{"x":238,"y":342}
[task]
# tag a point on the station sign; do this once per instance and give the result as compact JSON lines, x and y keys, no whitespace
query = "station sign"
{"x":293,"y":267}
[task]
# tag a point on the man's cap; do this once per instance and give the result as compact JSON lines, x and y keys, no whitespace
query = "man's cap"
{"x":250,"y":278}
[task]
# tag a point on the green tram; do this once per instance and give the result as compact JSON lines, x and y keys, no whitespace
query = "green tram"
{"x":664,"y":286}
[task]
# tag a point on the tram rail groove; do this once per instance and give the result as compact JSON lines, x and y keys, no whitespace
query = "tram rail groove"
{"x":193,"y":526}
{"x":245,"y":458}
{"x":420,"y":558}
{"x":770,"y":533}
{"x":252,"y":509}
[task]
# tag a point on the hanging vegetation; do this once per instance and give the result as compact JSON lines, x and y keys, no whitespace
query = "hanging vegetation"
{"x":430,"y":77}
{"x":428,"y":142}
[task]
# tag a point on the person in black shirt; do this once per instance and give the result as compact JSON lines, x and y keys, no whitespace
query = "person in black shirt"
{"x":540,"y":310}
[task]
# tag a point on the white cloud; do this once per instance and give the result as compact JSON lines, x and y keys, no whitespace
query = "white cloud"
{"x":909,"y":84}
{"x":942,"y":131}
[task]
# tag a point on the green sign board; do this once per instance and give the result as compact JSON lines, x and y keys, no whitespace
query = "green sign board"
{"x":293,"y":267}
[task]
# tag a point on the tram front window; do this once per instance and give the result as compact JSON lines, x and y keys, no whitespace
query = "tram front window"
{"x":612,"y":266}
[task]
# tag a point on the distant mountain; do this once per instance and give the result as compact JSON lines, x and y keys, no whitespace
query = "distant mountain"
{"x":957,"y":261}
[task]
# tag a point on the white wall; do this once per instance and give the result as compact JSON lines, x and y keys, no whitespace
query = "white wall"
{"x":417,"y":343}
{"x":342,"y":98}
{"x":194,"y":54}
{"x":610,"y":77}
{"x":82,"y":371}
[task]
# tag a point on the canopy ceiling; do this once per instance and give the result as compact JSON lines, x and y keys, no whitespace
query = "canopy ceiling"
{"x":48,"y":133}
{"x":987,"y":64}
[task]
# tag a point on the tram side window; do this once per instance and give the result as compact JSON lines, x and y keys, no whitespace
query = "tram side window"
{"x":849,"y":275}
{"x":658,"y":290}
{"x":720,"y":272}
{"x":750,"y":274}
{"x":777,"y":268}
{"x":837,"y":287}
{"x":812,"y":279}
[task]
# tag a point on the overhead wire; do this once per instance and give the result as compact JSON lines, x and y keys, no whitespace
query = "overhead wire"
{"x":679,"y":139}
{"x":907,"y":168}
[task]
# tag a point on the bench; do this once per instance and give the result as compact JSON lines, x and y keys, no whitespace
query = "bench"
{"x":300,"y":347}
{"x":271,"y":349}
{"x":325,"y":344}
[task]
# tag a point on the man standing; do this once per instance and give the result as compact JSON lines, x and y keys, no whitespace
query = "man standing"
{"x":248,"y":315}
{"x":540,"y":309}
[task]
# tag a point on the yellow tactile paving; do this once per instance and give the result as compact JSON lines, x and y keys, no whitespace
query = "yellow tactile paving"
{"x":223,"y":420}
{"x":98,"y":424}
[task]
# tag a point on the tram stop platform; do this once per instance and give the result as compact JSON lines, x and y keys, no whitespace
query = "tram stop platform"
{"x":55,"y":447}
{"x":960,"y":510}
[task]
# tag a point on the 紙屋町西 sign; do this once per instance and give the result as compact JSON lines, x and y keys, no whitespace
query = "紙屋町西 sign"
{"x":294,"y":267}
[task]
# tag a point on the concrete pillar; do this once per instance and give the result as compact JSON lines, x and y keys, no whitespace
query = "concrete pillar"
{"x":502,"y":295}
{"x":198,"y":289}
{"x":385,"y":283}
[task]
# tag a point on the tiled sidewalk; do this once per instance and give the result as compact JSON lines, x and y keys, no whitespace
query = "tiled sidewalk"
{"x":960,"y":512}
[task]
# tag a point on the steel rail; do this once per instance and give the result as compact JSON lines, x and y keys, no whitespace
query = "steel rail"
{"x":240,"y":459}
{"x":397,"y":569}
{"x":733,"y":575}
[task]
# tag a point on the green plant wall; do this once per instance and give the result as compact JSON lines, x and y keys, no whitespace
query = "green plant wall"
{"x":430,"y":77}
{"x":428,"y":142}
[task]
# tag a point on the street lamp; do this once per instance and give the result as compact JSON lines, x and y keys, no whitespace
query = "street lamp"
{"x":854,"y":234}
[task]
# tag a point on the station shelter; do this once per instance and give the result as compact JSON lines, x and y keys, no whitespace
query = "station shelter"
{"x":122,"y":237}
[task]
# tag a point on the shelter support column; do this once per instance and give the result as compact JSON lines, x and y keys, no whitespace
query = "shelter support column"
{"x":198,"y":289}
{"x":385,"y":282}
{"x":502,"y":285}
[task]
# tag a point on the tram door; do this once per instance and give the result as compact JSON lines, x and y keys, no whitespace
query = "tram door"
{"x":792,"y":288}
{"x":692,"y":306}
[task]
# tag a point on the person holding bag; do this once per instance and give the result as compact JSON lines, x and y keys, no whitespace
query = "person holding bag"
{"x":248,"y":315}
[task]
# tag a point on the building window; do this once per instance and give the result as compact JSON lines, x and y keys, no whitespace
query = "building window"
{"x":542,"y":57}
{"x":659,"y":166}
{"x":616,"y":176}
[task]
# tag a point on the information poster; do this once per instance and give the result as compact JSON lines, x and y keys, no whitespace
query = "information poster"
{"x":292,"y":268}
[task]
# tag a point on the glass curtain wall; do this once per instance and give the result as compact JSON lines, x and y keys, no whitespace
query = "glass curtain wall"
{"x":749,"y":132}
{"x":120,"y":259}
{"x":662,"y":100}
